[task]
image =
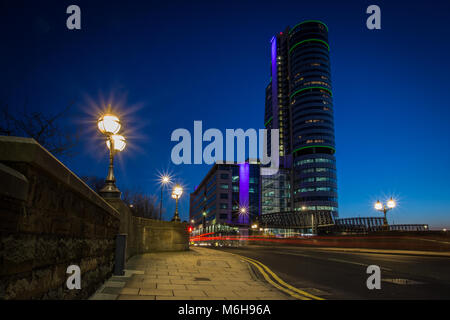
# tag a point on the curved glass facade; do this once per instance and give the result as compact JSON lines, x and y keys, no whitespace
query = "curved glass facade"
{"x":299,"y":102}
{"x":312,"y":123}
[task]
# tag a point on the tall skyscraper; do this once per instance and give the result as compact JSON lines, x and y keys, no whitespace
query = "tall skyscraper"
{"x":299,"y":104}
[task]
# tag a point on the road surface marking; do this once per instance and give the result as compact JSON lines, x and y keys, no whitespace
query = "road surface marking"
{"x":284,"y":283}
{"x":402,"y":281}
{"x":331,"y":259}
{"x":266,"y":276}
{"x":292,"y":291}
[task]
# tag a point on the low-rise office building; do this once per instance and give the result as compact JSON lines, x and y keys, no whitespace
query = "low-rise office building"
{"x":228,"y":195}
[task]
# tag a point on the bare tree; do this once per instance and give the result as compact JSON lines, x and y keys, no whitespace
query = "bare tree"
{"x":43,"y":128}
{"x":141,"y":204}
{"x":96,"y":183}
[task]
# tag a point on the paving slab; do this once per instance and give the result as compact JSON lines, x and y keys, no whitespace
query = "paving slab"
{"x":197,"y":274}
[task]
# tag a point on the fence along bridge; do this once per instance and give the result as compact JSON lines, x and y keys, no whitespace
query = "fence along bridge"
{"x":289,"y":220}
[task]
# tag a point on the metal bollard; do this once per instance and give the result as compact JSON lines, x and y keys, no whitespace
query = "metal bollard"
{"x":120,"y":257}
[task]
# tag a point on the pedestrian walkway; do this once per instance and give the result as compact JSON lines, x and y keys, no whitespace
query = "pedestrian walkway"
{"x":197,"y":274}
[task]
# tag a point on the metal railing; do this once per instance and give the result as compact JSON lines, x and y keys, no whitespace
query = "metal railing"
{"x":294,"y":220}
{"x":371,"y":224}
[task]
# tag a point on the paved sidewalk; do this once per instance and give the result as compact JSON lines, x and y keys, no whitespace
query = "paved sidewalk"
{"x":197,"y":274}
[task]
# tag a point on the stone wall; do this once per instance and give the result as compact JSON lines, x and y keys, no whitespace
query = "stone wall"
{"x":148,"y":235}
{"x":50,"y":219}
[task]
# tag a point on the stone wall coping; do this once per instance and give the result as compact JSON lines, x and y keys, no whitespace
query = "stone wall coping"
{"x":161,"y":222}
{"x":14,"y":184}
{"x":27,"y":150}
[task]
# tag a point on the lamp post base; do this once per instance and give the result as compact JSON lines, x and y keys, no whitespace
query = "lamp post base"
{"x":110,"y":191}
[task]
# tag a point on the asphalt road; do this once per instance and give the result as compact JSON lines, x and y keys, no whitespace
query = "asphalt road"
{"x":342,"y":275}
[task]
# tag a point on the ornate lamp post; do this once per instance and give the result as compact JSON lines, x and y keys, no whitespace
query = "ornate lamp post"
{"x":385,"y":208}
{"x":163,"y":181}
{"x":176,"y":194}
{"x":109,"y":125}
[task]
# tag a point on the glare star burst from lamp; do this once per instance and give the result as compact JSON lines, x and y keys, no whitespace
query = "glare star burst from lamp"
{"x":176,"y":194}
{"x":109,"y":125}
{"x":385,"y":208}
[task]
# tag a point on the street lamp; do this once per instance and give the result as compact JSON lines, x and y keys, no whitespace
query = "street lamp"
{"x":176,"y":194}
{"x":385,"y":208}
{"x":163,"y":181}
{"x":109,"y":125}
{"x":203,"y":220}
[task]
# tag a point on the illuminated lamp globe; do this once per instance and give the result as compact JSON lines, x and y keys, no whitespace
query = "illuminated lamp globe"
{"x":378,"y":205}
{"x":119,"y":142}
{"x":108,"y":124}
{"x":391,"y":203}
{"x":165,"y":179}
{"x":177,"y":191}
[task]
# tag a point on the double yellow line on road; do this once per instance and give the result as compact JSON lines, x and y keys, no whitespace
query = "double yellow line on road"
{"x":275,"y":281}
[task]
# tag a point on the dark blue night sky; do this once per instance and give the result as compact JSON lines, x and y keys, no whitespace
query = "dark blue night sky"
{"x":169,"y":63}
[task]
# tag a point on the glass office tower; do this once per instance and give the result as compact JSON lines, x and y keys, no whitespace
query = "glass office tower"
{"x":299,"y":103}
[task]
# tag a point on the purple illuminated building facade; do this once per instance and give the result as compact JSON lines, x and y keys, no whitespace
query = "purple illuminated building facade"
{"x":244,"y":199}
{"x":228,"y":195}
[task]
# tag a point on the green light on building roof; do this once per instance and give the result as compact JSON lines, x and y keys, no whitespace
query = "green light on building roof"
{"x":308,"y":40}
{"x":318,"y":21}
{"x":268,"y":121}
{"x":315,"y":146}
{"x":303,"y":89}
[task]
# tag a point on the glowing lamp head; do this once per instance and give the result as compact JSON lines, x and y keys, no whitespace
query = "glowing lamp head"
{"x":108,"y":124}
{"x":119,"y":142}
{"x":177,"y":191}
{"x":165,"y":179}
{"x":378,"y":205}
{"x":391,"y":203}
{"x":243,"y":210}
